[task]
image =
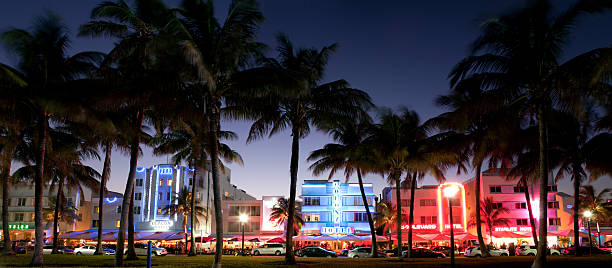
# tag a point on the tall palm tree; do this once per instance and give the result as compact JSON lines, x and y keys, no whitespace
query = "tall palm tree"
{"x":316,"y":105}
{"x":147,"y":32}
{"x":280,"y":215}
{"x":350,"y":154}
{"x":219,"y":53}
{"x":390,"y":140}
{"x":492,"y":215}
{"x":181,"y":205}
{"x":188,"y":141}
{"x":44,"y":69}
{"x":519,"y":55}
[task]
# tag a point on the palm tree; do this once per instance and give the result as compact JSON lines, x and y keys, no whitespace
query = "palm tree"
{"x":43,"y":70}
{"x":188,"y":141}
{"x":181,"y":206}
{"x":65,"y":212}
{"x":492,"y":215}
{"x":519,"y":55}
{"x":594,"y":202}
{"x":280,"y":215}
{"x":385,"y":217}
{"x":147,"y":32}
{"x":390,"y":140}
{"x":350,"y":154}
{"x":219,"y":53}
{"x":317,"y":105}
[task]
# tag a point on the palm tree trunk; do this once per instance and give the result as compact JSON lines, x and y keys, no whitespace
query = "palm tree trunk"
{"x":483,"y":250}
{"x":131,"y":251}
{"x":129,"y":188}
{"x":6,"y":250}
{"x":540,"y":259}
{"x":37,"y":258}
{"x":411,"y":215}
{"x":531,"y":218}
{"x":193,"y":204}
{"x":213,"y":110}
{"x":293,"y":170}
{"x":185,"y":228}
{"x":398,"y":200}
{"x":105,"y":175}
{"x":367,"y":209}
{"x":58,"y":205}
{"x":576,"y":209}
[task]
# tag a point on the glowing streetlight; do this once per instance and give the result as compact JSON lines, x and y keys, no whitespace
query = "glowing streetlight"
{"x":243,"y":219}
{"x":588,"y":214}
{"x":449,"y":192}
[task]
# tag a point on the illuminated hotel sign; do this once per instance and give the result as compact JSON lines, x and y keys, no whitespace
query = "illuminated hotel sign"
{"x":337,"y":230}
{"x":161,"y":225}
{"x":513,"y":229}
{"x":165,"y":171}
{"x":19,"y":226}
{"x":336,"y":203}
{"x":430,"y":226}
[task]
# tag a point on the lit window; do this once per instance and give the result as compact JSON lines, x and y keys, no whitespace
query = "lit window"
{"x":161,"y":182}
{"x":118,"y":223}
{"x":312,"y":216}
{"x":96,"y":209}
{"x":159,"y":211}
{"x":169,"y":182}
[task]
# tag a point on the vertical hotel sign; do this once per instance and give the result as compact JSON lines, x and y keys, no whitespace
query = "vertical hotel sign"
{"x":336,"y":203}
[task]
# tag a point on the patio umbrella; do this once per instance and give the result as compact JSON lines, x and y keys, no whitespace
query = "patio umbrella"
{"x":276,"y":240}
{"x":466,"y":236}
{"x":302,"y":238}
{"x":434,"y":237}
{"x":325,"y":237}
{"x":350,"y":238}
{"x":234,"y":239}
{"x":176,"y":236}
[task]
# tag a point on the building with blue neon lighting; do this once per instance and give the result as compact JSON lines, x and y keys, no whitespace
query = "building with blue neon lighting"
{"x":335,"y":208}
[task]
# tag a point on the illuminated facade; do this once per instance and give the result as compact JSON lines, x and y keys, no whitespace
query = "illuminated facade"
{"x":335,"y":208}
{"x":431,"y":208}
{"x":258,"y":217}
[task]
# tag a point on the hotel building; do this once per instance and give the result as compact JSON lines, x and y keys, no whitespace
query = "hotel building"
{"x":335,"y":208}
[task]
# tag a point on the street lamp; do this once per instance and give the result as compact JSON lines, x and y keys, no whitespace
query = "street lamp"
{"x":243,"y":219}
{"x":449,"y":192}
{"x":588,"y":214}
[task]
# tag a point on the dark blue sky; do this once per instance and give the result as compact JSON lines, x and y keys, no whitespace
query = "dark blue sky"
{"x":400,"y":52}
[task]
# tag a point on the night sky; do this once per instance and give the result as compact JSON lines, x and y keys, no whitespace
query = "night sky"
{"x":400,"y":53}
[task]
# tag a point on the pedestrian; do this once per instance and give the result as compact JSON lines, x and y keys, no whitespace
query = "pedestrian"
{"x":511,"y":249}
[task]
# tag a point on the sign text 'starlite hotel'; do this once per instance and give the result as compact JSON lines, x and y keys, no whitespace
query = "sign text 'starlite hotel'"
{"x":335,"y":208}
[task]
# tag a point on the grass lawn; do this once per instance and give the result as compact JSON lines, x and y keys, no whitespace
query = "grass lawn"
{"x":232,"y":261}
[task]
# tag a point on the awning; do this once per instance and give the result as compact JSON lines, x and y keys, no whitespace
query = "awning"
{"x":506,"y":234}
{"x":276,"y":240}
{"x":466,"y":236}
{"x":435,"y":237}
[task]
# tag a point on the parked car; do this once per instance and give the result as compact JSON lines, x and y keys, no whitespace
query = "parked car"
{"x":423,"y":253}
{"x":345,"y":252}
{"x":91,"y":250}
{"x":530,"y":250}
{"x":584,"y":251}
{"x":60,"y":249}
{"x":142,"y":250}
{"x":393,"y":252}
{"x":475,"y":252}
{"x":365,"y":252}
{"x":444,"y":249}
{"x":269,"y":249}
{"x":317,"y":252}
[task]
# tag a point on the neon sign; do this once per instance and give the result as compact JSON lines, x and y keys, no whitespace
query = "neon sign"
{"x":165,"y":171}
{"x":420,"y":227}
{"x":161,"y":225}
{"x":336,"y":203}
{"x":19,"y":226}
{"x":111,"y":200}
{"x":337,"y":230}
{"x":139,"y":170}
{"x":513,"y":229}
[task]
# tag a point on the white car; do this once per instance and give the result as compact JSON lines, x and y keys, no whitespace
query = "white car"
{"x":269,"y":249}
{"x":142,"y":250}
{"x":364,"y":252}
{"x":475,"y":252}
{"x":91,"y":250}
{"x":528,"y":250}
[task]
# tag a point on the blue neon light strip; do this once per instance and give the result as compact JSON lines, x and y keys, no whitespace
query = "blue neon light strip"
{"x":139,"y":170}
{"x":313,"y":185}
{"x":156,"y":195}
{"x":176,"y":190}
